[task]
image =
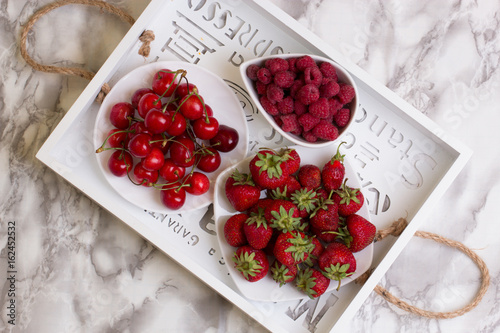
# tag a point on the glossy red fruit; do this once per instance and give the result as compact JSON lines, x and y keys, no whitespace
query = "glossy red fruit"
{"x":178,"y":124}
{"x":136,"y":128}
{"x":136,"y":97}
{"x":184,"y":89}
{"x":192,"y":107}
{"x":143,"y":176}
{"x":120,"y":163}
{"x":157,"y":121}
{"x":139,"y":145}
{"x":233,"y":230}
{"x":160,"y":141}
{"x":210,"y":160}
{"x":120,"y":113}
{"x":147,"y":102}
{"x":226,"y":139}
{"x":173,"y":196}
{"x":182,"y":152}
{"x":164,"y":82}
{"x":172,"y":172}
{"x":117,"y":138}
{"x":154,"y":160}
{"x":251,"y":263}
{"x":198,"y":183}
{"x":205,"y":128}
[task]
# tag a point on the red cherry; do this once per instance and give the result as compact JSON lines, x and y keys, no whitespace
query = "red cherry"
{"x":164,"y":82}
{"x":226,"y":139}
{"x":157,"y":121}
{"x":173,"y":196}
{"x":154,"y":160}
{"x":136,"y":128}
{"x":185,"y":89}
{"x":198,"y":183}
{"x":117,"y":138}
{"x":209,"y":161}
{"x":192,"y":107}
{"x":143,"y":176}
{"x":139,"y":145}
{"x":120,"y":163}
{"x":172,"y":172}
{"x":182,"y":152}
{"x":208,"y":111}
{"x":206,"y":128}
{"x":161,"y":142}
{"x":147,"y":102}
{"x":120,"y":113}
{"x":178,"y":125}
{"x":136,"y":97}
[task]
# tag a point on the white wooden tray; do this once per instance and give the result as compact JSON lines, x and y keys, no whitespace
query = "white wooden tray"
{"x":404,"y":161}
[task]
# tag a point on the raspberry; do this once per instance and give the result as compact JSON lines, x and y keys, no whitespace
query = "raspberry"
{"x":275,"y":65}
{"x":252,"y":72}
{"x":346,"y":93}
{"x":335,"y":105}
{"x":342,"y":117}
{"x":309,"y":136}
{"x":320,"y":108}
{"x":303,"y":62}
{"x":274,"y":93}
{"x":260,"y":87}
{"x":297,"y":84}
{"x":284,"y":79}
{"x":328,"y":70}
{"x":299,"y":107}
{"x":268,"y":106}
{"x":264,"y":75}
{"x":325,"y":131}
{"x":312,"y":75}
{"x":290,"y":123}
{"x":308,"y":121}
{"x":308,"y":94}
{"x":291,"y":65}
{"x":286,"y":106}
{"x":329,"y":88}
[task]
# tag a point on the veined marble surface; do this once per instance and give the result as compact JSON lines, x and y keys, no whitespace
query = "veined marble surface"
{"x":79,"y":269}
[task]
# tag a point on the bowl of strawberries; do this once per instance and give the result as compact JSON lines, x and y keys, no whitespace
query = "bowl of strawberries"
{"x":292,"y":223}
{"x":310,"y":100}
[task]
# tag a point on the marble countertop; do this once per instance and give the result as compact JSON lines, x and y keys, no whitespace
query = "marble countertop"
{"x":79,"y":269}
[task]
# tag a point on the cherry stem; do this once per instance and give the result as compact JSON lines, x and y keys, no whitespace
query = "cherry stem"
{"x":102,"y":148}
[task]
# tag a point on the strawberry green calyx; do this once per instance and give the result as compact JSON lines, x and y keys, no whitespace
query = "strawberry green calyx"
{"x":338,"y":157}
{"x":285,"y":220}
{"x":270,"y":163}
{"x":337,"y":272}
{"x":278,"y":193}
{"x":247,"y":265}
{"x":348,"y":194}
{"x":322,"y":204}
{"x":312,"y":282}
{"x":257,"y":218}
{"x":242,"y":178}
{"x":305,"y":199}
{"x":283,"y":274}
{"x":300,"y":246}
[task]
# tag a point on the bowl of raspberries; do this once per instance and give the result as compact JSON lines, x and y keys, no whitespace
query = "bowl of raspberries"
{"x":308,"y":99}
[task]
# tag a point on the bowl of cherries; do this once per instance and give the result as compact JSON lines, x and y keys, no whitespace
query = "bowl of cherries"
{"x":162,"y":135}
{"x":310,"y":100}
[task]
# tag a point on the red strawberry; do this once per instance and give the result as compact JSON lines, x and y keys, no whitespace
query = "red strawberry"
{"x":292,"y":160}
{"x":241,"y":191}
{"x":325,"y":216}
{"x":233,"y":230}
{"x":257,"y":231}
{"x":282,"y":215}
{"x":310,"y":176}
{"x":266,"y":169}
{"x":318,"y":249}
{"x":251,"y":263}
{"x":350,"y":200}
{"x":262,"y":203}
{"x":283,"y":274}
{"x":333,"y":171}
{"x":337,"y":262}
{"x":358,"y":232}
{"x":312,"y":282}
{"x":292,"y":248}
{"x":326,"y":236}
{"x":286,"y":190}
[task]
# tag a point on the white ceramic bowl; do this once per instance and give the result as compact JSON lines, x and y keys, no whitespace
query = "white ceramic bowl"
{"x":343,"y":76}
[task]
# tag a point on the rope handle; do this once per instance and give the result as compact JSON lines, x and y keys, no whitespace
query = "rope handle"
{"x":146,"y":38}
{"x":395,"y":229}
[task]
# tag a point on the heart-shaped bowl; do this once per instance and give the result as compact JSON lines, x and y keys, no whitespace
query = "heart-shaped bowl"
{"x":257,"y":89}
